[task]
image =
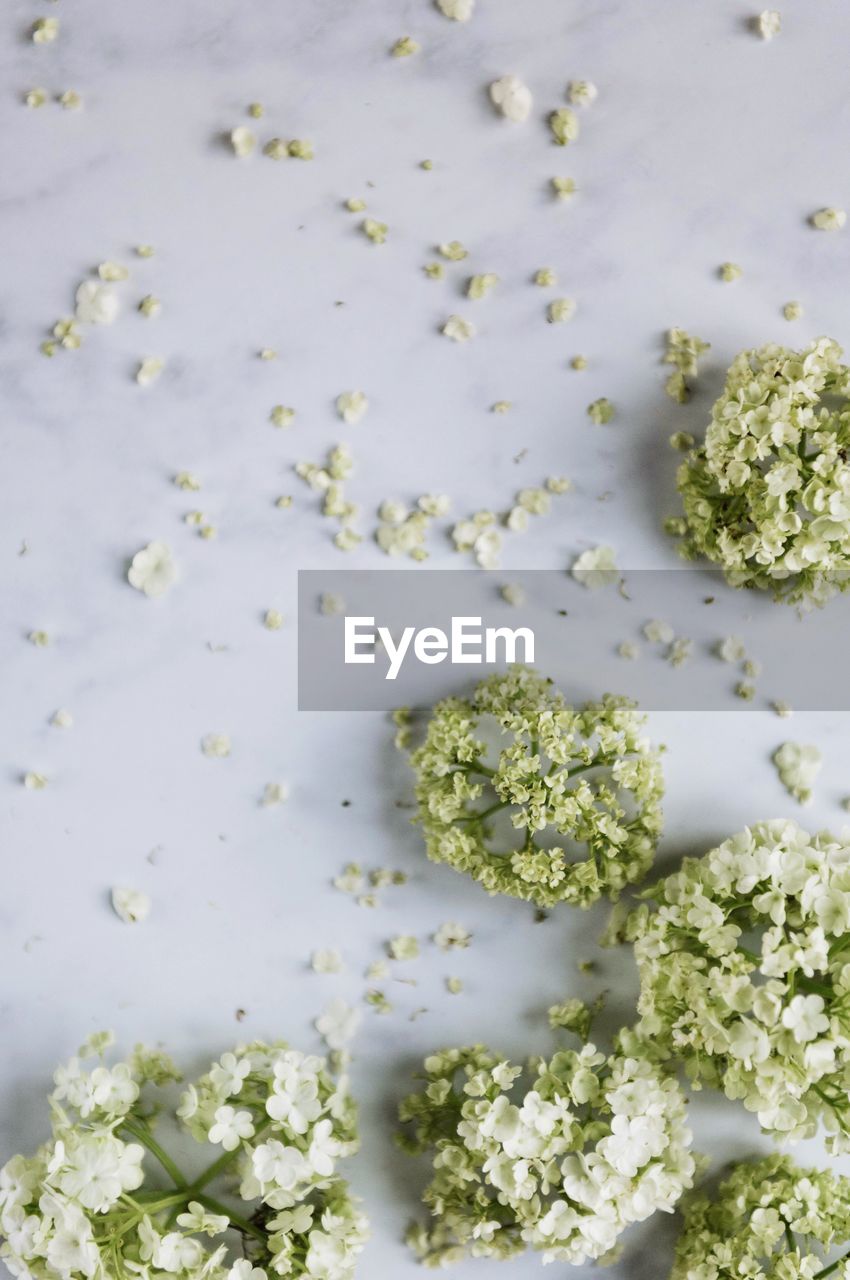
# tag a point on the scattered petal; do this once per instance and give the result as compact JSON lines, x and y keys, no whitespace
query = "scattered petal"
{"x":338,"y":1024}
{"x":596,"y":568}
{"x":44,"y":30}
{"x":375,"y":231}
{"x":326,"y":960}
{"x":275,"y":793}
{"x":512,"y":98}
{"x":152,"y":569}
{"x":216,"y":746}
{"x":582,"y":93}
{"x":405,"y":47}
{"x":561,"y":310}
{"x":96,"y":303}
{"x":458,"y":329}
{"x":458,"y":10}
{"x":829,"y":219}
{"x":565,"y":126}
{"x":452,"y":936}
{"x":131,"y":905}
{"x":768,"y":24}
{"x":798,"y":766}
{"x":351,"y":406}
{"x":404,"y":947}
{"x":149,"y":370}
{"x":243,"y":141}
{"x":600,"y":411}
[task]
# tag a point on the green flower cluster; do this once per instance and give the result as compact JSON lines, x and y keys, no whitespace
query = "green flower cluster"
{"x":275,"y":1125}
{"x":580,"y":790}
{"x":767,"y":495}
{"x":770,"y":1221}
{"x":560,"y":1157}
{"x":745,"y":975}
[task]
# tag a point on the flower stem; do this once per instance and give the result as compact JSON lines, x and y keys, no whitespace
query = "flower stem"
{"x":833,"y":1266}
{"x":142,"y":1132}
{"x":484,"y":813}
{"x":477,"y":767}
{"x":241,"y":1224}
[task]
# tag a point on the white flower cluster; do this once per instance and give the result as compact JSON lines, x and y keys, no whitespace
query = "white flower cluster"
{"x":770,"y":1220}
{"x":578,"y":791}
{"x":745,"y":974}
{"x":82,"y":1207}
{"x":562,"y":1158}
{"x":767,"y":495}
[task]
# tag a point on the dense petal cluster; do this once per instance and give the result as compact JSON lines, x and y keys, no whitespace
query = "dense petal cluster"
{"x":561,"y":1157}
{"x":767,"y":495}
{"x":770,"y":1220}
{"x":745,"y":973}
{"x":85,"y":1208}
{"x":574,"y":797}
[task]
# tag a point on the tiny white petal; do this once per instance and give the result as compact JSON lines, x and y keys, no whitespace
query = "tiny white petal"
{"x":512,"y":98}
{"x":130,"y":905}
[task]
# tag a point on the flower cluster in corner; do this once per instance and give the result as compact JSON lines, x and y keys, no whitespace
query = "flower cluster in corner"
{"x":770,"y":1220}
{"x":580,"y":788}
{"x":561,"y":1157}
{"x":767,"y":495}
{"x":85,"y":1207}
{"x":744,"y":964}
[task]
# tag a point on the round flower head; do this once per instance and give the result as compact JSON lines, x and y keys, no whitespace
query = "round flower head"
{"x":274,"y":1124}
{"x":767,"y":495}
{"x":568,"y":810}
{"x":744,"y":964}
{"x":560,"y":1157}
{"x":769,"y":1219}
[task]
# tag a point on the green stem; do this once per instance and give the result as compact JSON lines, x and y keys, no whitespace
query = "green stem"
{"x":144,"y":1135}
{"x":833,"y":1266}
{"x":833,"y":1106}
{"x":242,"y":1224}
{"x":485,"y":813}
{"x":584,"y":768}
{"x":152,"y":1201}
{"x":141,"y":1210}
{"x":477,"y":767}
{"x":178,"y":1199}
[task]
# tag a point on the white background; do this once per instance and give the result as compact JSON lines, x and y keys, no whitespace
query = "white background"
{"x":705,"y":145}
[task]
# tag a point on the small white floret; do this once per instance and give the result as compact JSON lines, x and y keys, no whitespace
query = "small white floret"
{"x":512,"y":98}
{"x":152,"y":569}
{"x":96,"y":303}
{"x":131,"y":905}
{"x":351,"y":406}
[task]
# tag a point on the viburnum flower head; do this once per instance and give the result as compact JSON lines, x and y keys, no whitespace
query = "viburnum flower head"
{"x":767,"y":494}
{"x":744,"y":960}
{"x":576,"y":792}
{"x":768,"y":1218}
{"x":560,"y":1157}
{"x":82,"y":1206}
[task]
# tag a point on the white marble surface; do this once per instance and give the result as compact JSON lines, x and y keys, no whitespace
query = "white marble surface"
{"x":705,"y":145}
